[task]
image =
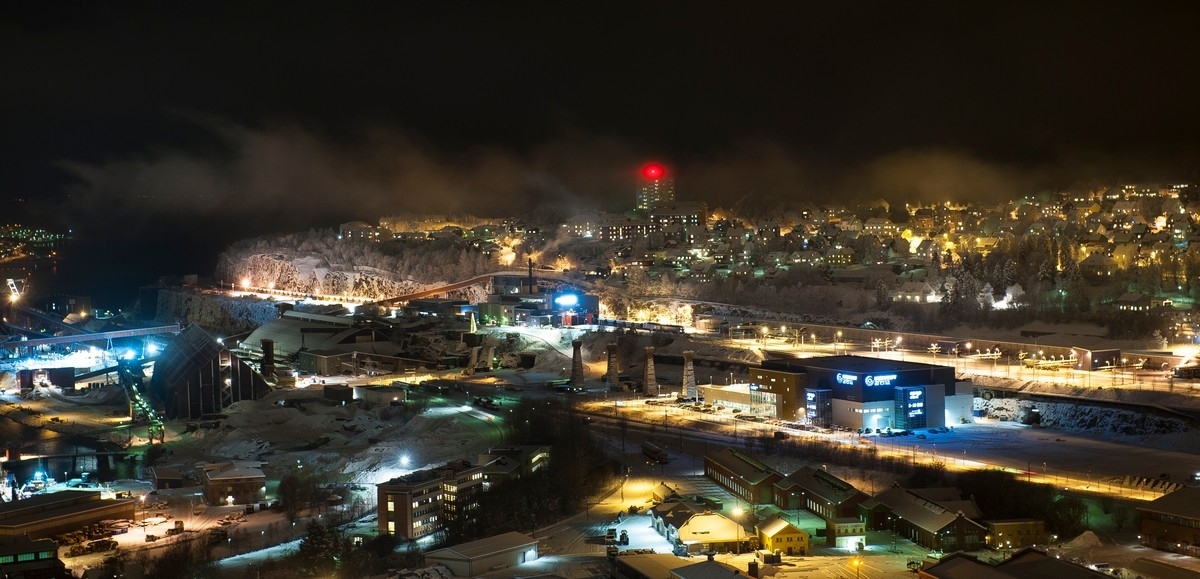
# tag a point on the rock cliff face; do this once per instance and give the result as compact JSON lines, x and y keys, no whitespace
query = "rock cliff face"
{"x":213,"y":312}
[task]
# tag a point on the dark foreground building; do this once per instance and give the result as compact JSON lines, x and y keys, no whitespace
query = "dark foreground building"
{"x":30,"y":559}
{"x":196,"y":375}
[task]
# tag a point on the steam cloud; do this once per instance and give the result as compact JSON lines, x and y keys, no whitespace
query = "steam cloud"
{"x":299,"y":178}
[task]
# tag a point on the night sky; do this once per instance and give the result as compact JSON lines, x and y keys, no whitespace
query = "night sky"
{"x":135,"y":120}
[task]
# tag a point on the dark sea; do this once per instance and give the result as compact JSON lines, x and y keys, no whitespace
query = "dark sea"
{"x":111,"y":272}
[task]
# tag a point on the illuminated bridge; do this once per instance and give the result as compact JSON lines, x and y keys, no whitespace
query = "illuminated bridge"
{"x":87,"y":338}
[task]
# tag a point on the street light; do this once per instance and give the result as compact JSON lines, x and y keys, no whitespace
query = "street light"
{"x":857,"y":564}
{"x":737,"y":519}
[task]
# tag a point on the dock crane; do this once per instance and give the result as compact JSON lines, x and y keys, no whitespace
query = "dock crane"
{"x":14,"y":295}
{"x":14,"y":292}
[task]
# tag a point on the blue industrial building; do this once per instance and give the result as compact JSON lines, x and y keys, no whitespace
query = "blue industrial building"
{"x":860,"y":392}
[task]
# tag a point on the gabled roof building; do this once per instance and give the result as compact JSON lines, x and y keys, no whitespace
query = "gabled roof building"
{"x":926,"y":522}
{"x":1172,"y":521}
{"x":741,"y":474}
{"x":777,"y":535}
{"x":491,"y":554}
{"x":1024,"y":564}
{"x":823,"y":494}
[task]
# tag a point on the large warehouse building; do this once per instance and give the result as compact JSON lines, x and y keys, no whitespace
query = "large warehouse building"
{"x":859,"y":392}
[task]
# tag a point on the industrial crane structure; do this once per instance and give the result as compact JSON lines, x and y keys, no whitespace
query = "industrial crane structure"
{"x":15,"y":291}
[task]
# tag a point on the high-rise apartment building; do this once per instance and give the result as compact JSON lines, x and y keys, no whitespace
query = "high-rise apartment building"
{"x":654,"y":187}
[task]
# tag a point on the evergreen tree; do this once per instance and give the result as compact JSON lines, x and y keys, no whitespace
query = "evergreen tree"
{"x":1070,"y":269}
{"x":882,"y":298}
{"x":1008,"y":275}
{"x":321,"y":549}
{"x":1045,"y":272}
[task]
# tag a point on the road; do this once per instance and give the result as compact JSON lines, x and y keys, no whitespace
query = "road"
{"x":1065,"y":460}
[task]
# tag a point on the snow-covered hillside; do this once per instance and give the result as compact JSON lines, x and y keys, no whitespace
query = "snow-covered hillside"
{"x":1153,"y":418}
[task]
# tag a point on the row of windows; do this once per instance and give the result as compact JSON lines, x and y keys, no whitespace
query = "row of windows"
{"x":729,"y":483}
{"x":1172,"y":519}
{"x":1018,"y":531}
{"x":821,"y":509}
{"x":427,"y":501}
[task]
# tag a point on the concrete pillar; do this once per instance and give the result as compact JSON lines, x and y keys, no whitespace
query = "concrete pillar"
{"x":649,"y":380}
{"x":488,"y":358}
{"x":473,"y":361}
{"x":689,"y":374}
{"x":268,"y":358}
{"x":612,"y":372}
{"x":576,"y":364}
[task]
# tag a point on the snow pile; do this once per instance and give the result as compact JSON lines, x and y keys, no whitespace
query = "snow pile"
{"x":1084,"y":540}
{"x":1082,"y":417}
{"x":242,"y":449}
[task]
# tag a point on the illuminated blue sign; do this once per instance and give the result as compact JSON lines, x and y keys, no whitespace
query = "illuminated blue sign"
{"x":846,"y":379}
{"x":880,"y":380}
{"x":567,"y":300}
{"x":912,"y":405}
{"x":810,"y":396}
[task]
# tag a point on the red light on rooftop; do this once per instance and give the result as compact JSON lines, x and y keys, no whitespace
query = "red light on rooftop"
{"x":653,"y":171}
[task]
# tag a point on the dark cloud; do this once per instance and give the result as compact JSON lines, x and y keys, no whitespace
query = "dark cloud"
{"x":300,"y":177}
{"x":284,"y":177}
{"x":939,"y":175}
